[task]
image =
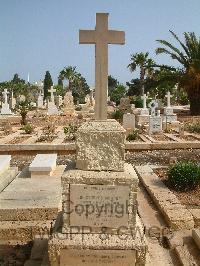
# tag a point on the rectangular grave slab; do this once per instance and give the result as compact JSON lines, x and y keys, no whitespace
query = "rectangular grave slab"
{"x":43,"y":165}
{"x":4,"y":163}
{"x":99,"y":199}
{"x":142,"y":119}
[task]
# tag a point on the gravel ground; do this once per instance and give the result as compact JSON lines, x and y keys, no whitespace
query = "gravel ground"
{"x":156,"y":157}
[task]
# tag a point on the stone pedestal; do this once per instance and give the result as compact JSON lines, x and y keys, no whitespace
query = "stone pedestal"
{"x":5,"y":110}
{"x":100,"y":223}
{"x":101,"y":146}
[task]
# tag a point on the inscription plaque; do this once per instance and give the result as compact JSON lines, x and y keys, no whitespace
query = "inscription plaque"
{"x":99,"y":205}
{"x":72,"y":257}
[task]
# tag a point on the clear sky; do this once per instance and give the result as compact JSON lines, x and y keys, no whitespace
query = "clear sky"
{"x":40,"y":35}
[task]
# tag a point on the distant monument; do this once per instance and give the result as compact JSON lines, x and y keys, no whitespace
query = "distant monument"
{"x":5,"y":110}
{"x":169,"y":115}
{"x":68,"y":103}
{"x":52,"y":109}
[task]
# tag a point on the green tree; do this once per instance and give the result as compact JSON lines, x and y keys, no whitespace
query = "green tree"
{"x":60,"y":82}
{"x":145,"y":65}
{"x":112,"y":84}
{"x":23,"y":108}
{"x":118,"y":93}
{"x":47,"y":84}
{"x":69,"y":73}
{"x":188,"y":55}
{"x":16,"y":79}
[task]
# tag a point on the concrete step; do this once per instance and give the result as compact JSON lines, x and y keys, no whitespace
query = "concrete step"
{"x":7,"y":177}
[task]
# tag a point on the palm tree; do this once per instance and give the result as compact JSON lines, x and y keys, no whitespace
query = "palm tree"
{"x":145,"y":64}
{"x":188,"y":55}
{"x":70,"y":74}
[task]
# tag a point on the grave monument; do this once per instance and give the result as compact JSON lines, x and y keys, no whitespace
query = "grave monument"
{"x":155,"y":121}
{"x":143,"y":117}
{"x":5,"y":109}
{"x":52,"y":108}
{"x":68,"y":103}
{"x":100,"y":177}
{"x":169,"y":115}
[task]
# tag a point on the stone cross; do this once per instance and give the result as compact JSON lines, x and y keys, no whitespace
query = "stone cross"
{"x":101,"y":37}
{"x":52,"y":90}
{"x":144,"y":97}
{"x":5,"y":95}
{"x":168,"y":96}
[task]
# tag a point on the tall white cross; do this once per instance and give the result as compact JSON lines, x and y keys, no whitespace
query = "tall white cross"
{"x":52,"y":90}
{"x":5,"y":95}
{"x":144,"y":97}
{"x":101,"y":37}
{"x":168,"y":96}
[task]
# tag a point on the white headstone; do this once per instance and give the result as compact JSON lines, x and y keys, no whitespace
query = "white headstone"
{"x":5,"y":110}
{"x":155,"y":124}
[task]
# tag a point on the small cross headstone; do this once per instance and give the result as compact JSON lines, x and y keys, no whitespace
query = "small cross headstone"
{"x":101,"y":37}
{"x":168,"y":96}
{"x":52,"y":90}
{"x":5,"y":110}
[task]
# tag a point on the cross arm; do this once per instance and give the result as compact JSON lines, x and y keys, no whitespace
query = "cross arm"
{"x":116,"y":37}
{"x":87,"y":37}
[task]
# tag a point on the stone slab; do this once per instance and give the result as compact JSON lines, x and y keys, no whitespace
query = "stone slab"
{"x":169,"y":118}
{"x":43,"y":163}
{"x":97,"y":257}
{"x":4,"y":162}
{"x":101,"y":146}
{"x":26,"y":199}
{"x":112,"y":188}
{"x":142,"y":119}
{"x":168,"y":111}
{"x":7,"y":177}
{"x":99,"y":205}
{"x":196,"y":237}
{"x":92,"y":242}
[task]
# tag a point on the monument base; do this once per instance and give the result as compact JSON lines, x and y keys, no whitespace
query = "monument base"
{"x":101,"y":146}
{"x":98,"y":249}
{"x":5,"y":110}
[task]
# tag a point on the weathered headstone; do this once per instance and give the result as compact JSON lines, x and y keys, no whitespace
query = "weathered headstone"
{"x":143,"y":117}
{"x":12,"y":102}
{"x":155,"y":124}
{"x":68,"y":103}
{"x":40,"y":101}
{"x":125,"y":105}
{"x":129,"y":121}
{"x":5,"y":109}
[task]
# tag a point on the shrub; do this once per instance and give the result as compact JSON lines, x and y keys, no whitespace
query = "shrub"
{"x":28,"y":128}
{"x":194,"y":128}
{"x":70,"y":131}
{"x":118,"y":115}
{"x":138,"y":102}
{"x":184,"y":176}
{"x":133,"y":136}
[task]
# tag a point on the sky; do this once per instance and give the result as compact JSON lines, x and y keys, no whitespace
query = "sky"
{"x":41,"y":35}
